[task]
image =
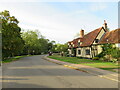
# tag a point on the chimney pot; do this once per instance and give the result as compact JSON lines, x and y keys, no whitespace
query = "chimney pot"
{"x":105,"y":25}
{"x":81,"y":33}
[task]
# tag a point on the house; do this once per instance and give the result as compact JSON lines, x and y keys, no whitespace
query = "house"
{"x":112,"y":37}
{"x":89,"y":45}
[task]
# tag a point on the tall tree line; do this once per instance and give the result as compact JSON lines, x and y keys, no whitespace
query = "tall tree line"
{"x":16,"y":43}
{"x":35,"y":43}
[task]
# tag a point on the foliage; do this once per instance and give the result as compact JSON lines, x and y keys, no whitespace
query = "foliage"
{"x":13,"y":59}
{"x":103,"y":59}
{"x":102,"y":54}
{"x":95,"y":58}
{"x":115,"y":53}
{"x":109,"y":53}
{"x":35,"y":43}
{"x":60,"y":48}
{"x":107,"y":48}
{"x":113,"y":60}
{"x":12,"y":43}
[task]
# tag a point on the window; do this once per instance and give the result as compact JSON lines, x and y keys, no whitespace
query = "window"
{"x":78,"y":44}
{"x":79,"y":52}
{"x":87,"y":52}
{"x":96,"y":40}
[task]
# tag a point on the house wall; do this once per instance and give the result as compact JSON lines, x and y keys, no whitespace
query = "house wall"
{"x":83,"y":52}
{"x":117,"y":45}
{"x":97,"y":49}
{"x":99,"y":35}
{"x":70,"y":51}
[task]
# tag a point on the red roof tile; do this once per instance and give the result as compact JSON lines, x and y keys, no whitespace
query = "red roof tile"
{"x":111,"y":37}
{"x":90,"y":37}
{"x":87,"y":39}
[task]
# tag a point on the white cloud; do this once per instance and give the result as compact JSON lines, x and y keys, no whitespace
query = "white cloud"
{"x":52,"y":23}
{"x":98,"y":6}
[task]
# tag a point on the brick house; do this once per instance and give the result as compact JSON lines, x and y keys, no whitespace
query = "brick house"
{"x":89,"y":45}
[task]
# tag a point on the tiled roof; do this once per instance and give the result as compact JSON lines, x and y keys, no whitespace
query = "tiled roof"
{"x":87,"y":39}
{"x":90,"y":37}
{"x":75,"y":42}
{"x":111,"y":37}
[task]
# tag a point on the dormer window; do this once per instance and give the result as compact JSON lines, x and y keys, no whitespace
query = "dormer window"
{"x":78,"y":44}
{"x":96,"y":40}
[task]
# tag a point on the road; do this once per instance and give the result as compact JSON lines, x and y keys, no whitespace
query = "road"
{"x":35,"y":72}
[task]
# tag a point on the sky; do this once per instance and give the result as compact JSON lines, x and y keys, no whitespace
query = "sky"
{"x":61,"y":20}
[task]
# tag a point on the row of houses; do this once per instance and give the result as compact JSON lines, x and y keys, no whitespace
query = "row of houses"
{"x":89,"y":45}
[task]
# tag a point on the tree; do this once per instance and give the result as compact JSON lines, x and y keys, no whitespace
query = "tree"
{"x":31,"y":42}
{"x":12,"y":43}
{"x":115,"y":53}
{"x":35,"y":43}
{"x":61,"y":47}
{"x":109,"y":51}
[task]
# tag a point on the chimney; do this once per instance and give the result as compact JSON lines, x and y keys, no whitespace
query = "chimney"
{"x":81,"y":33}
{"x":105,"y":25}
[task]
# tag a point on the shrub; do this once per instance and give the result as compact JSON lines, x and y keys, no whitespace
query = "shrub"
{"x":102,"y":59}
{"x":102,"y":54}
{"x":115,"y":53}
{"x":95,"y":58}
{"x":114,"y":60}
{"x":79,"y":57}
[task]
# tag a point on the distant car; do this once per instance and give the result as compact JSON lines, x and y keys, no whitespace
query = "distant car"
{"x":50,"y":53}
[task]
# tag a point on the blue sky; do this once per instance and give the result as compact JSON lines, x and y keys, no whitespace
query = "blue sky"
{"x":60,"y":21}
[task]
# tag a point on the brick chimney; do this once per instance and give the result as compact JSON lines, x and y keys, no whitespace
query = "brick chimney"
{"x":105,"y":25}
{"x":81,"y":33}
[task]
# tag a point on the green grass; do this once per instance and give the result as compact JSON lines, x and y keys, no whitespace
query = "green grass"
{"x":94,"y":63}
{"x":13,"y":59}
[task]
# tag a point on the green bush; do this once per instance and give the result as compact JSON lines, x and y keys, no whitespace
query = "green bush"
{"x":114,"y":60}
{"x":115,"y":53}
{"x":102,"y":54}
{"x":80,"y":57}
{"x":104,"y":59}
{"x":95,"y":58}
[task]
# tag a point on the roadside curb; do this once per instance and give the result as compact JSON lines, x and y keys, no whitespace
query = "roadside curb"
{"x":113,"y":76}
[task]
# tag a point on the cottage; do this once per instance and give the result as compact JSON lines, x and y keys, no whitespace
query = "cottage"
{"x":89,"y":45}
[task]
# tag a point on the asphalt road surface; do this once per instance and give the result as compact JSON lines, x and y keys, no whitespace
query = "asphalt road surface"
{"x":35,"y":72}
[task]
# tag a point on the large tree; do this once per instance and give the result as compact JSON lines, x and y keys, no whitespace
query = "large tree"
{"x":12,"y":43}
{"x":35,"y":43}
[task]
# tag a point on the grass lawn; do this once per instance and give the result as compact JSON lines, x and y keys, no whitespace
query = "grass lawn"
{"x":94,"y":63}
{"x":14,"y":58}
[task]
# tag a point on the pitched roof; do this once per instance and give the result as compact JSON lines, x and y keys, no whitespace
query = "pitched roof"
{"x":111,"y":37}
{"x":75,"y":42}
{"x":87,"y":39}
{"x":90,"y":37}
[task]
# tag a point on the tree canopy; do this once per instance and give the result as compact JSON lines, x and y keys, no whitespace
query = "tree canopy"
{"x":15,"y":42}
{"x":12,"y":43}
{"x":35,"y":43}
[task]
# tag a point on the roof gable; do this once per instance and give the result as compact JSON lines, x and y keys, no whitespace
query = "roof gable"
{"x":89,"y":38}
{"x":111,"y":37}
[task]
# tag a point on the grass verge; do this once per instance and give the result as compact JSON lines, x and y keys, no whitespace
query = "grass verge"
{"x":14,"y":58}
{"x":94,"y":63}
